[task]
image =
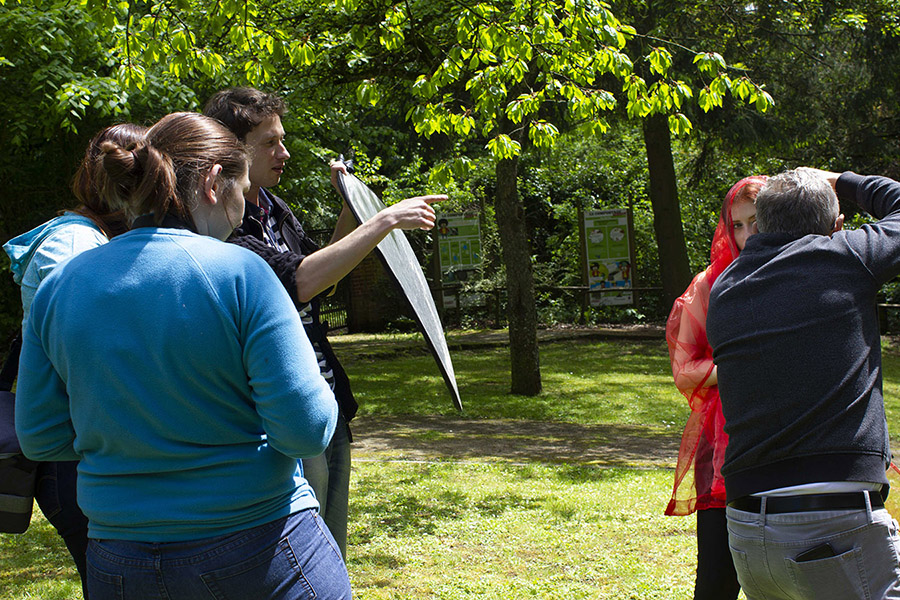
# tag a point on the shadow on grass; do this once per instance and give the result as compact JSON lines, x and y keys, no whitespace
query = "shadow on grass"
{"x":394,"y":509}
{"x":379,"y":559}
{"x":585,"y":381}
{"x":418,"y":503}
{"x":590,"y":474}
{"x":439,"y":438}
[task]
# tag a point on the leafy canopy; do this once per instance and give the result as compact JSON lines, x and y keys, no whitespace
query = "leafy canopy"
{"x":537,"y":63}
{"x":534,"y":64}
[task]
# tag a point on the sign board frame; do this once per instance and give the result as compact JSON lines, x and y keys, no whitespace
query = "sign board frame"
{"x":607,"y":243}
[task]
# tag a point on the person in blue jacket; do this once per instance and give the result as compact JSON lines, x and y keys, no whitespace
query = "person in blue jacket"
{"x":175,"y":368}
{"x":33,"y":256}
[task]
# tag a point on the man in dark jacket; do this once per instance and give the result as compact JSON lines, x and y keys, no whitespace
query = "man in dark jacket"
{"x":270,"y":229}
{"x":795,"y":337}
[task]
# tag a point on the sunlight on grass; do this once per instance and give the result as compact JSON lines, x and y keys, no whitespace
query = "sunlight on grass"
{"x":473,"y":526}
{"x":584,"y":381}
{"x":505,"y":532}
{"x":36,"y":565}
{"x":891,"y":388}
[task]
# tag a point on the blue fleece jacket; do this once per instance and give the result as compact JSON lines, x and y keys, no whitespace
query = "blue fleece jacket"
{"x":33,"y":255}
{"x":175,"y":368}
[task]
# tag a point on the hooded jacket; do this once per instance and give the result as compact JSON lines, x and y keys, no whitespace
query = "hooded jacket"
{"x":36,"y":253}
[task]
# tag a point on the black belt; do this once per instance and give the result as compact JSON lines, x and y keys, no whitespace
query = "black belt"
{"x":809,"y":502}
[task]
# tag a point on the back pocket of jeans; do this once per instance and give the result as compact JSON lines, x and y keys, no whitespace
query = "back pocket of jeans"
{"x":272,"y":573}
{"x":744,"y":574}
{"x":104,"y":585}
{"x":832,"y":578}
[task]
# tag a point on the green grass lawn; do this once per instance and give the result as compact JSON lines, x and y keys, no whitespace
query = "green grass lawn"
{"x":492,"y":527}
{"x":503,"y":532}
{"x":584,"y":382}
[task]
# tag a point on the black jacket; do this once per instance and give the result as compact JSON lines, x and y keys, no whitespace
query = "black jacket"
{"x":250,"y":235}
{"x":794,"y":332}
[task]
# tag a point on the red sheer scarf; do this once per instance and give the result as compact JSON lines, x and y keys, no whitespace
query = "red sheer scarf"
{"x":698,"y":474}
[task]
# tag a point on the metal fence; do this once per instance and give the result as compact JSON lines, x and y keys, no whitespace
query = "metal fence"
{"x":555,"y":304}
{"x":333,"y":310}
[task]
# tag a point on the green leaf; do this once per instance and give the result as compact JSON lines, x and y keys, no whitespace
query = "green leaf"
{"x":720,"y":85}
{"x":504,"y":147}
{"x":708,"y":99}
{"x":367,"y":93}
{"x":461,"y":166}
{"x":639,"y":108}
{"x":423,"y":87}
{"x":764,"y":101}
{"x":391,"y":38}
{"x":543,"y":134}
{"x":660,"y":61}
{"x":635,"y":87}
{"x":710,"y":63}
{"x":742,"y":88}
{"x":679,"y":124}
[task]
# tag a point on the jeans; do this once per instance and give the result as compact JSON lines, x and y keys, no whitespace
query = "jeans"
{"x":767,"y":548}
{"x":291,"y":558}
{"x":57,"y":498}
{"x":329,"y":476}
{"x":716,"y":578}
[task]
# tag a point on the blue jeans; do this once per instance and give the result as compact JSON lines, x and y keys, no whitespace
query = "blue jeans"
{"x":766,"y":549}
{"x":57,"y":498}
{"x":291,"y":558}
{"x":329,"y":476}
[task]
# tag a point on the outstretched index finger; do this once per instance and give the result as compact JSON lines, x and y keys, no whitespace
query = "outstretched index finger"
{"x":431,"y":198}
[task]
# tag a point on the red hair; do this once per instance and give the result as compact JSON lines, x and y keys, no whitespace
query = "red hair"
{"x":698,"y":477}
{"x":724,"y":247}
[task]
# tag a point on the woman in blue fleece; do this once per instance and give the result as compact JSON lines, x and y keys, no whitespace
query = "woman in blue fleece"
{"x":33,"y":256}
{"x":176,"y":369}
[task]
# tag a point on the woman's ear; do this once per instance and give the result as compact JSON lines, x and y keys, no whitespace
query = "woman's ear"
{"x":211,"y":184}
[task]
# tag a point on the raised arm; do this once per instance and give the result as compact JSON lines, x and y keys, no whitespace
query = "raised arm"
{"x":349,"y":246}
{"x":305,"y":276}
{"x":877,"y":245}
{"x":830,"y":176}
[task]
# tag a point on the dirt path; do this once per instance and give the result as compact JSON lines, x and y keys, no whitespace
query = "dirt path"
{"x":447,"y":438}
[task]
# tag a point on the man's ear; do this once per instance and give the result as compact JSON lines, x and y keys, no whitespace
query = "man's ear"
{"x":838,"y":224}
{"x":211,"y":184}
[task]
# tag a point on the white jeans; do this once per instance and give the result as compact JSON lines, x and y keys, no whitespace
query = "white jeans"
{"x":865,"y":544}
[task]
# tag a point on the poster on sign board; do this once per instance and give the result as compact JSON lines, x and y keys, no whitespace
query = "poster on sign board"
{"x":458,"y":239}
{"x":609,"y":256}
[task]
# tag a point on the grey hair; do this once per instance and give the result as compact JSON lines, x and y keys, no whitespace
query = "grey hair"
{"x":798,"y":202}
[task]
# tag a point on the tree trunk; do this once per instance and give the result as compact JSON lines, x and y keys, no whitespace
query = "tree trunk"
{"x":674,"y":267}
{"x":525,"y":364}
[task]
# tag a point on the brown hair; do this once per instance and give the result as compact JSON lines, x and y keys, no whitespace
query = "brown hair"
{"x":163,"y":174}
{"x":89,"y":184}
{"x":241,"y":109}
